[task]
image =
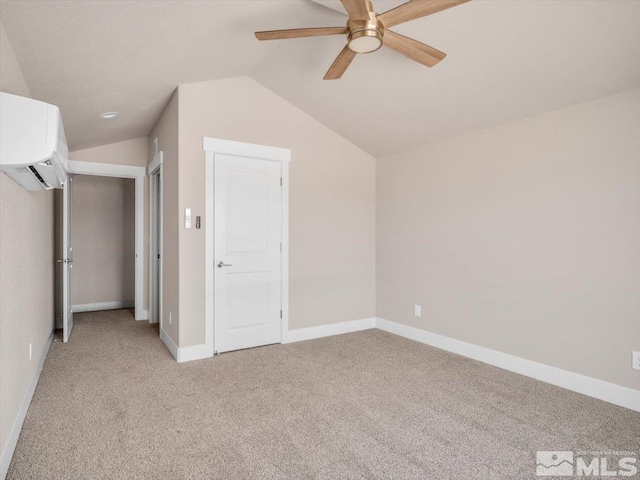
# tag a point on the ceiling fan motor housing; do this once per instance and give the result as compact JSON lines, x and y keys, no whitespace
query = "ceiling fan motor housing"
{"x":365,"y":36}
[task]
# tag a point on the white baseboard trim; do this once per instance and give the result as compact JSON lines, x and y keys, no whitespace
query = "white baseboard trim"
{"x":198,"y":352}
{"x":16,"y":428}
{"x":320,"y":331}
{"x":183,"y":354}
{"x":169,"y":343}
{"x":96,"y":307}
{"x":144,"y":315}
{"x":592,"y":387}
{"x":194,"y":352}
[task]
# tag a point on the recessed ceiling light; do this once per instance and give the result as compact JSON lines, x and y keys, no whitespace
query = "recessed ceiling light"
{"x":109,"y":114}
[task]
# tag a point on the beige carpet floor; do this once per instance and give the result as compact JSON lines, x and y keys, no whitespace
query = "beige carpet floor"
{"x":114,"y":404}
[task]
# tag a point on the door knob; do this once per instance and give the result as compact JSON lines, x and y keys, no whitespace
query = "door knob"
{"x":222,"y":264}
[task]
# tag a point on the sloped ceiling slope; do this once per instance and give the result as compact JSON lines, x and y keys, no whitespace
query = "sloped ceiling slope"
{"x":506,"y":60}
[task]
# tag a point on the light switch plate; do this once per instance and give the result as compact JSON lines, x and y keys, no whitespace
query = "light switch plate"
{"x":417,"y":310}
{"x":636,"y":360}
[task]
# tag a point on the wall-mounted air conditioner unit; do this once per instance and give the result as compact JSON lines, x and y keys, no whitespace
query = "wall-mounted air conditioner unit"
{"x":33,"y":147}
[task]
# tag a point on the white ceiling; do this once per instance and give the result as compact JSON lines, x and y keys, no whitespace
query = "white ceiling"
{"x":506,"y":60}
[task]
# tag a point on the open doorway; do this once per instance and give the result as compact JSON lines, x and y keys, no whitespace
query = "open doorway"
{"x":103,"y":238}
{"x":66,"y":282}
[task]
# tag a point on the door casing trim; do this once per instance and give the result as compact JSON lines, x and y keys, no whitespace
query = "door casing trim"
{"x":155,"y":168}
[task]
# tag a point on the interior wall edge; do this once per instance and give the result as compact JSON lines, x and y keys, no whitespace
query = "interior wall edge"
{"x":311,"y":117}
{"x":165,"y":130}
{"x":169,"y":343}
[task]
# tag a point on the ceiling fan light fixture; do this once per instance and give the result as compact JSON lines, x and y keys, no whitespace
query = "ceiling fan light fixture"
{"x":365,"y":41}
{"x":367,"y":31}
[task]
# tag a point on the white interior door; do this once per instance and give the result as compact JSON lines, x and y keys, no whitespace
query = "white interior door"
{"x":247,"y":253}
{"x":67,"y":258}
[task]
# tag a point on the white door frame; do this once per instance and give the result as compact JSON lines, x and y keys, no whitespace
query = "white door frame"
{"x":216,"y":146}
{"x":67,"y":258}
{"x":155,"y":168}
{"x":138,"y":174}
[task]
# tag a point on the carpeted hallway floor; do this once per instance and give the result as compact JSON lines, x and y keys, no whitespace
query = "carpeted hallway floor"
{"x":114,"y":404}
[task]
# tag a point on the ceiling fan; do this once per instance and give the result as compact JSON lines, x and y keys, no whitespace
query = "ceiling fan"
{"x":367,"y":31}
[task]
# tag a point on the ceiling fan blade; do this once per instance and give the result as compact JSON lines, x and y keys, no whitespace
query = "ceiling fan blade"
{"x":415,"y":9}
{"x":340,"y":64}
{"x":300,"y":32}
{"x":412,"y":49}
{"x":357,"y":9}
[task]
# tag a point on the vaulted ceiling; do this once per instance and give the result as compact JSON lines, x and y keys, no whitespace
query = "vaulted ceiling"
{"x":505,"y":60}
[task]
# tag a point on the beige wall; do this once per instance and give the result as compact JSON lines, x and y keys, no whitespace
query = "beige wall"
{"x":129,"y":152}
{"x":332,"y":203}
{"x":26,"y":271}
{"x":166,"y":130}
{"x":524,"y":238}
{"x":103,"y":240}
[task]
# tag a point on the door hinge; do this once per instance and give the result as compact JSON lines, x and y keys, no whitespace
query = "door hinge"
{"x":281,"y":248}
{"x":280,"y":181}
{"x":280,"y":313}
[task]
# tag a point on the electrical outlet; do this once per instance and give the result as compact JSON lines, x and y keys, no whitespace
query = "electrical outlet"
{"x":417,"y":310}
{"x":30,"y":351}
{"x":636,"y":360}
{"x":169,"y":317}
